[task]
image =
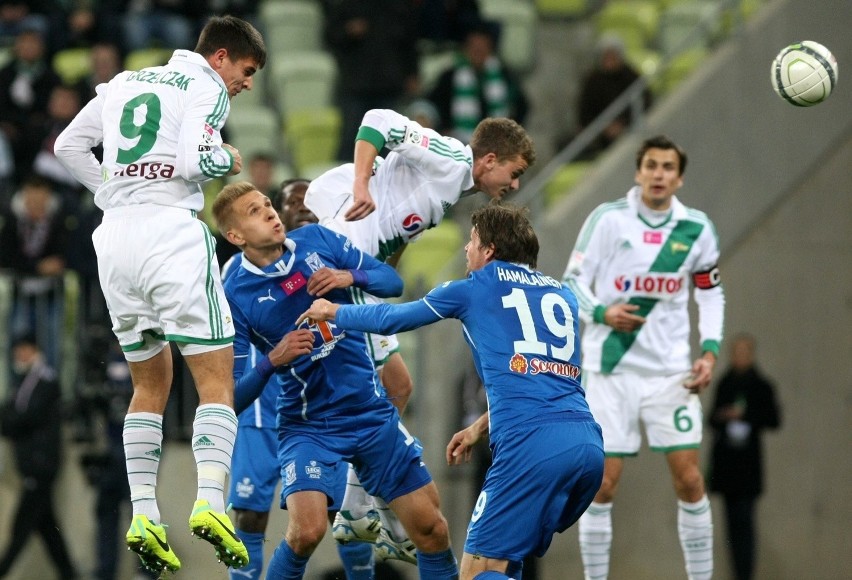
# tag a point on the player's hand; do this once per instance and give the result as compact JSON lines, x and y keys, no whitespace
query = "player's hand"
{"x":292,"y":346}
{"x":460,"y":447}
{"x":325,"y":280}
{"x":621,"y":317}
{"x":321,"y":310}
{"x":362,"y":203}
{"x":238,"y":159}
{"x":701,"y":373}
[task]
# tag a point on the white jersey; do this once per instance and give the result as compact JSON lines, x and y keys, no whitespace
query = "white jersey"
{"x":620,"y":258}
{"x":160,"y":129}
{"x":422,"y":177}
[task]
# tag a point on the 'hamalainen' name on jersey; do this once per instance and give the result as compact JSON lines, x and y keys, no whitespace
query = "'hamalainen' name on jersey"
{"x":525,"y":344}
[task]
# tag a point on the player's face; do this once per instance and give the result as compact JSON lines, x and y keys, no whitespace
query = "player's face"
{"x":477,"y":256}
{"x":659,"y":177}
{"x":497,"y":178}
{"x":257,"y":225}
{"x":236,"y":74}
{"x":293,"y":212}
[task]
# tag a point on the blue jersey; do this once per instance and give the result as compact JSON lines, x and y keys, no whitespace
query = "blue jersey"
{"x":525,"y":344}
{"x":265,"y":303}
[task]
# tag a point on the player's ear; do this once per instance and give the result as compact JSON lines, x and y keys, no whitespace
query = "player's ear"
{"x":235,"y":237}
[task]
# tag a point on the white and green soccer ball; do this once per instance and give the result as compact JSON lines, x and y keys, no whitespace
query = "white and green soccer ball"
{"x":804,"y":73}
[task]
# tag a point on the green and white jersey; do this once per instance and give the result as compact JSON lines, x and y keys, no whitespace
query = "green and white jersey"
{"x":620,"y":257}
{"x":160,"y":129}
{"x":424,"y":175}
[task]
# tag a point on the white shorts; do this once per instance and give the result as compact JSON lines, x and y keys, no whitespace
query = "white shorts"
{"x":160,"y":277}
{"x":329,"y":197}
{"x":381,"y":346}
{"x":671,"y":414}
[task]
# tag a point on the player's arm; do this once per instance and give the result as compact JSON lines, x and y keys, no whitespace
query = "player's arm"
{"x":354,"y":268}
{"x":362,"y":200}
{"x":201,"y":155}
{"x":709,"y":296}
{"x":74,"y":145}
{"x":460,"y":447}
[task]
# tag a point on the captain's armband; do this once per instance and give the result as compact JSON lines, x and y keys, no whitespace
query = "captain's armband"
{"x":707,"y":279}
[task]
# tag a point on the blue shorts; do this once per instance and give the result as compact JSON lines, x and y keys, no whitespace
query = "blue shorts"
{"x":387,"y":459}
{"x":255,"y":471}
{"x":542,"y":479}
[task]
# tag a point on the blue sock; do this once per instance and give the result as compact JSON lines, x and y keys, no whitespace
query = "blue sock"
{"x":254,"y":545}
{"x":438,"y":566}
{"x":358,"y":561}
{"x":490,"y":575}
{"x":286,"y":564}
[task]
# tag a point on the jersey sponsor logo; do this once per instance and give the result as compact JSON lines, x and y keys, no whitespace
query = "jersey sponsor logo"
{"x":292,"y":283}
{"x":244,"y":488}
{"x":313,"y":470}
{"x":707,"y":279}
{"x":412,"y":223}
{"x":314,"y":261}
{"x":518,"y":364}
{"x":656,"y":285}
{"x":652,"y":237}
{"x":534,"y":366}
{"x":676,"y":247}
{"x":149,"y":171}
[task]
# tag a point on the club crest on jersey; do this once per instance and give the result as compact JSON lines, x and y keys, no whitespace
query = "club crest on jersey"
{"x":652,"y":237}
{"x":290,"y":474}
{"x":518,"y":364}
{"x":244,"y":488}
{"x":313,"y":470}
{"x":291,"y":284}
{"x":676,"y":247}
{"x":314,"y":261}
{"x":412,"y":222}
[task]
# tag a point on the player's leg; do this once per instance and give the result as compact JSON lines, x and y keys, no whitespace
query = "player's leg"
{"x":674,"y":423}
{"x":397,"y":381}
{"x":305,"y":529}
{"x":420,"y":513}
{"x":694,"y":517}
{"x":357,"y":557}
{"x":614,"y":402}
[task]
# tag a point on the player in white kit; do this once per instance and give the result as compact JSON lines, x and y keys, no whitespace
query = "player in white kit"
{"x":382,"y":204}
{"x":634,"y":265}
{"x":160,"y":129}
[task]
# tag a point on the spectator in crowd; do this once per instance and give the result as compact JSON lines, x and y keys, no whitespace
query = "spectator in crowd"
{"x":477,"y":86}
{"x":33,"y":238}
{"x":445,"y":21}
{"x":31,"y":420}
{"x":744,"y":407}
{"x":374,"y":43}
{"x":262,"y":174}
{"x":106,"y":62}
{"x":25,"y":87}
{"x":166,"y":23}
{"x":19,"y":15}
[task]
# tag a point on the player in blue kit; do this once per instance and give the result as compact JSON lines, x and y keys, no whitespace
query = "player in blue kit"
{"x":254,"y":468}
{"x":522,"y":328}
{"x":329,"y":404}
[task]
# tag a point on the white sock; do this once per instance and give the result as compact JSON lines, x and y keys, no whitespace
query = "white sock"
{"x":390,"y":521}
{"x":356,"y":501}
{"x":595,"y":527}
{"x":143,"y":442}
{"x":213,"y":434}
{"x":695,"y":529}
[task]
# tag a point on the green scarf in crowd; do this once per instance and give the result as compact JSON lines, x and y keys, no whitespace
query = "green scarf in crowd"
{"x":470,"y":89}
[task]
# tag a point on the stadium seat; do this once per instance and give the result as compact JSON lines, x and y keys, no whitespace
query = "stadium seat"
{"x":72,"y":64}
{"x":680,"y":67}
{"x":291,"y":25}
{"x":254,"y":129}
{"x":145,"y":57}
{"x":433,"y":258}
{"x":303,"y":80}
{"x":432,"y":65}
{"x":634,"y":21}
{"x":562,"y":8}
{"x":312,"y":137}
{"x":688,"y":25}
{"x":564,"y":180}
{"x":518,"y":23}
{"x":645,"y":61}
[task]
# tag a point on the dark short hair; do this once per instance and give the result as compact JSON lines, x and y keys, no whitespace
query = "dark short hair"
{"x":661,"y":142}
{"x":507,"y":227}
{"x":278,"y":198}
{"x":25,"y":339}
{"x":238,"y":37}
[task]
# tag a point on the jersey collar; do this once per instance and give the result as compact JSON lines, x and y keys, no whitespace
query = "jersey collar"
{"x":279,"y":268}
{"x":193,"y":58}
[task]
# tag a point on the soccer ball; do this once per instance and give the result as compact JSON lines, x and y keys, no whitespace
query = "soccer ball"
{"x":804,"y":73}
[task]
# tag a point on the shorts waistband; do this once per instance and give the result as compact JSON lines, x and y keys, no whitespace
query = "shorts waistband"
{"x":146,"y":210}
